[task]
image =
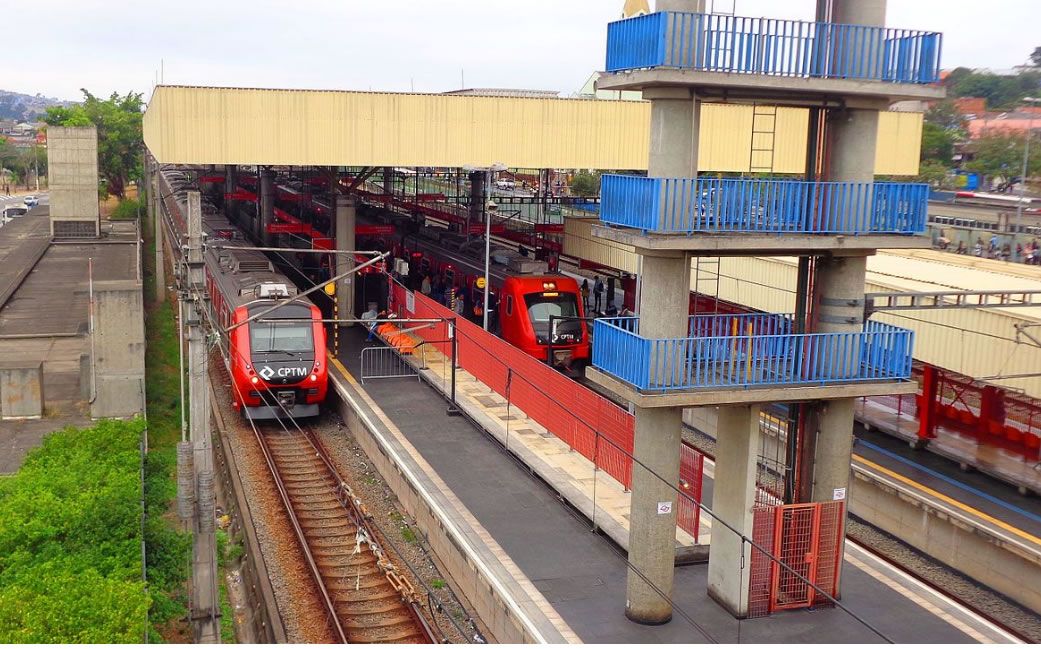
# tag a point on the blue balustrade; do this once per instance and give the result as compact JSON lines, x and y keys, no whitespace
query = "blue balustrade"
{"x":876,"y":353}
{"x":687,"y":205}
{"x":791,"y":48}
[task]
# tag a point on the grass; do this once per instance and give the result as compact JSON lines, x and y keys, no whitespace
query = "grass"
{"x":128,"y":209}
{"x":437,"y":583}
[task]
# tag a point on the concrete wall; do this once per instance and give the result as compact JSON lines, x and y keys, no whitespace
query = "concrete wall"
{"x":119,"y":349}
{"x":73,"y":167}
{"x":996,"y":559}
{"x":21,"y":390}
{"x":489,"y":585}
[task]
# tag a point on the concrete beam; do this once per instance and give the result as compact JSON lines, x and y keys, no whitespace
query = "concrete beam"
{"x":733,"y":496}
{"x":738,"y":396}
{"x":757,"y":245}
{"x":782,"y":91}
{"x":346,"y":221}
{"x":267,"y":204}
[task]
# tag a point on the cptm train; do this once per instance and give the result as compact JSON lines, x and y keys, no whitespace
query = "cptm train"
{"x":524,"y":294}
{"x":277,"y":360}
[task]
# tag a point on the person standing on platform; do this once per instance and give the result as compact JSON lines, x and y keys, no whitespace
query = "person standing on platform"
{"x":425,"y":287}
{"x":598,"y":293}
{"x":584,"y":290}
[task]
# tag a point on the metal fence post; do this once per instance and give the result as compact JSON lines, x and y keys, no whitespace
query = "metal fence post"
{"x":453,"y":409}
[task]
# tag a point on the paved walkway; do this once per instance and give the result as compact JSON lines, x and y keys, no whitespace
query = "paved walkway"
{"x":582,"y":574}
{"x":22,"y":242}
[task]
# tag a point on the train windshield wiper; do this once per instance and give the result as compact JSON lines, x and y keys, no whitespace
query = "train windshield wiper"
{"x":280,"y":351}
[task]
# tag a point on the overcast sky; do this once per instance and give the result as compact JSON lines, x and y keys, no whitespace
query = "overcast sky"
{"x":400,"y":45}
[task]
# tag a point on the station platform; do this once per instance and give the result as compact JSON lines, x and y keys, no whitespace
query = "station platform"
{"x":521,"y":503}
{"x":965,"y":450}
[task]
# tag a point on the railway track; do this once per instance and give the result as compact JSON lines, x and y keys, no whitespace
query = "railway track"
{"x":366,"y":599}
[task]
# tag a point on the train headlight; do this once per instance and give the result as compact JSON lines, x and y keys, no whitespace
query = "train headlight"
{"x":254,"y":380}
{"x":314,"y":377}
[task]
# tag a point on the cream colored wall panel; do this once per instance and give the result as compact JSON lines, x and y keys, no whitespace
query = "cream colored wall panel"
{"x":579,"y":242}
{"x":899,"y":143}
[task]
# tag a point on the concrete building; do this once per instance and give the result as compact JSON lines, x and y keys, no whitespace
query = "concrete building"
{"x":73,"y":160}
{"x":846,"y":69}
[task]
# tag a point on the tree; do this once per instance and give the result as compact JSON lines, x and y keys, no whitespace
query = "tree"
{"x":1035,"y":57}
{"x":585,"y":184}
{"x":120,"y":140}
{"x":945,"y":115}
{"x":932,"y":172}
{"x":937,"y":144}
{"x":1001,"y":154}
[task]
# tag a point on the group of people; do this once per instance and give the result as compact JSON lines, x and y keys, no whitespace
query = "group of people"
{"x":994,"y":249}
{"x":457,"y":298}
{"x":597,"y":291}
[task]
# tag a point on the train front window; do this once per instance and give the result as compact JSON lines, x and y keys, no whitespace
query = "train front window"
{"x":562,"y":305}
{"x":292,"y":337}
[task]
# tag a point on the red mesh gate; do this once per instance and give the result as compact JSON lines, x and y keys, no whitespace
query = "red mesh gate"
{"x":808,"y":539}
{"x":587,"y":422}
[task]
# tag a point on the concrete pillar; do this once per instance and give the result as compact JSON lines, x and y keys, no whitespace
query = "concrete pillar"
{"x":21,"y":390}
{"x":346,"y":222}
{"x":118,"y":349}
{"x":160,"y":250}
{"x":852,"y":136}
{"x":733,"y":496}
{"x":674,"y":137}
{"x":693,"y":6}
{"x":73,"y":171}
{"x":267,"y":204}
{"x":477,"y":198}
{"x":388,"y":180}
{"x":857,"y":12}
{"x":231,"y":183}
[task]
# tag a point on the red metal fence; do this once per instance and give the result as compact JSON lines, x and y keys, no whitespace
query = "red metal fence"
{"x":808,"y":539}
{"x":585,"y":421}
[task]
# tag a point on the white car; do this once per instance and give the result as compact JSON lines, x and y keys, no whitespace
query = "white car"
{"x":31,"y":201}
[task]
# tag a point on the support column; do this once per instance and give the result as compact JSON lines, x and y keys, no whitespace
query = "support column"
{"x":231,"y":183}
{"x":733,"y":496}
{"x":205,"y":605}
{"x":158,"y":231}
{"x":656,"y":472}
{"x":267,"y":204}
{"x":693,"y":6}
{"x":388,"y":180}
{"x":664,"y":311}
{"x":477,"y":198}
{"x":346,"y":222}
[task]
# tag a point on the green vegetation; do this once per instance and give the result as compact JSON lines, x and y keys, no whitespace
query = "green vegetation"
{"x":225,"y":552}
{"x":1001,"y":91}
{"x":437,"y":583}
{"x":1000,"y":154}
{"x":585,"y":184}
{"x":70,"y":530}
{"x":120,"y":140}
{"x":127,"y":210}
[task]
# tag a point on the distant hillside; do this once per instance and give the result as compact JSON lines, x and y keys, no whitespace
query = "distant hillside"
{"x":24,"y":108}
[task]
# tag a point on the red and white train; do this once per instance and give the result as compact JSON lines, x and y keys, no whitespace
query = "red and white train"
{"x":277,"y":361}
{"x":523,"y":294}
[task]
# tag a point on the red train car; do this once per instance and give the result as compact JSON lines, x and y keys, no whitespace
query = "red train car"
{"x":523,"y":301}
{"x":277,"y":362}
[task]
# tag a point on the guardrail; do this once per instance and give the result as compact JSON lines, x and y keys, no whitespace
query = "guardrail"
{"x":789,"y":48}
{"x":878,"y":352}
{"x":687,"y":205}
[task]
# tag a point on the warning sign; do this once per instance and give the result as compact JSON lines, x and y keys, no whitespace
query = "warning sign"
{"x":838,"y":494}
{"x":480,"y":282}
{"x":665,"y":507}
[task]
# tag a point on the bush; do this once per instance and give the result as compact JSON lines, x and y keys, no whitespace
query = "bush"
{"x":127,"y":210}
{"x":70,"y":540}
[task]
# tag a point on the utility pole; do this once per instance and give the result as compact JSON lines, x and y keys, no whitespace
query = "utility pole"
{"x":205,"y":607}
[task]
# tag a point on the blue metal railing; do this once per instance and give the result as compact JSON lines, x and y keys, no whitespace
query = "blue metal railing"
{"x":878,"y":352}
{"x":685,"y":205}
{"x":792,"y":48}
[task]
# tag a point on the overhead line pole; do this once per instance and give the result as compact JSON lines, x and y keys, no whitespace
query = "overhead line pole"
{"x":205,"y":607}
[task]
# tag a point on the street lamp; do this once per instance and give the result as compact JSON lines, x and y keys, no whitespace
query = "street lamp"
{"x":1026,"y":157}
{"x":487,"y":228}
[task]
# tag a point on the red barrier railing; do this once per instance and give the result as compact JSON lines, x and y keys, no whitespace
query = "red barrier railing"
{"x":573,"y":413}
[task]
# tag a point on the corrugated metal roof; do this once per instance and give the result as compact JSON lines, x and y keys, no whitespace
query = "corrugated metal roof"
{"x":198,"y":125}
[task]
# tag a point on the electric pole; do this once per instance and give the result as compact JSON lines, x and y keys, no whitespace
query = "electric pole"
{"x":205,"y":607}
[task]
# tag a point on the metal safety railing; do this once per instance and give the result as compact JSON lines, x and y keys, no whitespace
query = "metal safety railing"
{"x":745,"y":360}
{"x":789,"y":48}
{"x":687,"y":205}
{"x":386,"y":363}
